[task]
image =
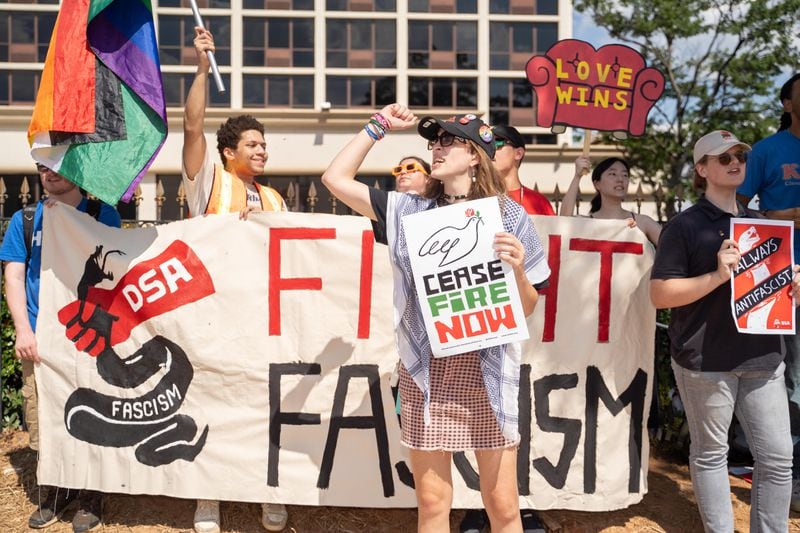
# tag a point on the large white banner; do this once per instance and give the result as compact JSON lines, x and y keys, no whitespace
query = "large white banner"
{"x":250,"y":361}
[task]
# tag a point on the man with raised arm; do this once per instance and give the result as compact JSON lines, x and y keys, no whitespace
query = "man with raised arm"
{"x":226,"y":187}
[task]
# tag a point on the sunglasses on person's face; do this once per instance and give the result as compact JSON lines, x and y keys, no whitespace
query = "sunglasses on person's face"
{"x":42,"y":169}
{"x":407,"y":168}
{"x":726,"y":158}
{"x":499,"y":143}
{"x":446,"y":139}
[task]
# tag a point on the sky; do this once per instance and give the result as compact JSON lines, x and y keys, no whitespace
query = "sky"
{"x":585,"y":29}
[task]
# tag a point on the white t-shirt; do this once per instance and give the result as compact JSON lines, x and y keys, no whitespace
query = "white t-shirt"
{"x":198,"y":190}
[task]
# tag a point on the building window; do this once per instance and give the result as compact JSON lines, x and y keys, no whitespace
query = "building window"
{"x":296,"y":5}
{"x":361,"y":5}
{"x":24,"y":37}
{"x":176,"y":87}
{"x":511,"y":101}
{"x":444,"y":6}
{"x":524,"y":7}
{"x":354,"y":91}
{"x":443,"y":92}
{"x":278,"y":91}
{"x":176,"y":36}
{"x":18,"y":87}
{"x":361,"y":43}
{"x":443,"y":45}
{"x":512,"y":44}
{"x":223,"y":4}
{"x":278,"y":42}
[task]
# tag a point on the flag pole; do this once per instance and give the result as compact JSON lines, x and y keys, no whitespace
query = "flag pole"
{"x":214,"y":69}
{"x":587,"y":141}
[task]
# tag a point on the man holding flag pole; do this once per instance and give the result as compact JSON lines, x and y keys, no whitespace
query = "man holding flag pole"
{"x":224,"y":188}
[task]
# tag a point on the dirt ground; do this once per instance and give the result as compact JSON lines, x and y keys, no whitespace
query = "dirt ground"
{"x":669,"y":507}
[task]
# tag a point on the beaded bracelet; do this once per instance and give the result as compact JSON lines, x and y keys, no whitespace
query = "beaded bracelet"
{"x":382,"y":120}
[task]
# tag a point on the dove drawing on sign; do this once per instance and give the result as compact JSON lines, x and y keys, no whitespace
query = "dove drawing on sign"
{"x":452,"y":243}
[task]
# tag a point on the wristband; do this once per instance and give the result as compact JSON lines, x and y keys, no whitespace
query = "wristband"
{"x":382,"y":121}
{"x":371,"y":131}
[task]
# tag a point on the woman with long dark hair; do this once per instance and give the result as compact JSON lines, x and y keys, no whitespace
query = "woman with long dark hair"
{"x":466,"y":401}
{"x":610,"y":178}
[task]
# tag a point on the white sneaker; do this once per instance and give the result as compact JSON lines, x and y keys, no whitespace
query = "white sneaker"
{"x":206,"y":517}
{"x":274,"y":516}
{"x":795,"y":505}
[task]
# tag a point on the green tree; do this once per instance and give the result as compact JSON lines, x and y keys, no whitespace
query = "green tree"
{"x":722,"y":61}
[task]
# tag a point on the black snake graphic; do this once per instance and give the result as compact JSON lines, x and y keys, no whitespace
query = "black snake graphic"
{"x":150,"y":421}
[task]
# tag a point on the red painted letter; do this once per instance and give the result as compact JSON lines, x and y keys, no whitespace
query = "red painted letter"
{"x":551,"y":292}
{"x":606,"y":249}
{"x":276,"y":282}
{"x":365,"y":284}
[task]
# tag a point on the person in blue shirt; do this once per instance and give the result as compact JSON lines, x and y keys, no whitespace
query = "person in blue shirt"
{"x":773,"y":173}
{"x":22,"y":270}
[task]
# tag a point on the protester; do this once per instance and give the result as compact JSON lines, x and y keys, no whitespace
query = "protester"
{"x":227,"y":188}
{"x":231,"y":186}
{"x":610,"y":179}
{"x":510,"y":150}
{"x":482,"y":387}
{"x":411,"y":175}
{"x":717,"y":369}
{"x":773,"y":173}
{"x":22,"y":252}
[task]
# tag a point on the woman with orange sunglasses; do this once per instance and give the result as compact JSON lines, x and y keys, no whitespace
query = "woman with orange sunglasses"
{"x":411,"y":175}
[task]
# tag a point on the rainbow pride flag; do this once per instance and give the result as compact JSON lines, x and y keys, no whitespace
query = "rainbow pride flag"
{"x":100,"y":116}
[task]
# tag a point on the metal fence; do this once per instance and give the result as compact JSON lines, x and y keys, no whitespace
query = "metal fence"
{"x":303,"y":194}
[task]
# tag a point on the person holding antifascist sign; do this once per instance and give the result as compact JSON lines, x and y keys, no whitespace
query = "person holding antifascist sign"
{"x":773,"y":174}
{"x":610,"y":179}
{"x":718,"y":370}
{"x":466,"y":401}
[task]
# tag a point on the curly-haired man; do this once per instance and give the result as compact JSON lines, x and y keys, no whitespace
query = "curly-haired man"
{"x":230,"y":186}
{"x":224,"y":188}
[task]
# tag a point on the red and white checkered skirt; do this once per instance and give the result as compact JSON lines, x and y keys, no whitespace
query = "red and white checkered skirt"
{"x":461,"y":417}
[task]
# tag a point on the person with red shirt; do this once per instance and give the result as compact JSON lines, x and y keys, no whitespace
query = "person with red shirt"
{"x":510,"y":149}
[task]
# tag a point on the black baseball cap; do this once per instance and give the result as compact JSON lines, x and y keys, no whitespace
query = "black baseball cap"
{"x":510,"y":134}
{"x":467,"y":126}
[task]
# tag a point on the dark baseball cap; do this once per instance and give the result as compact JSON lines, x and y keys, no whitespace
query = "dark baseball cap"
{"x":467,"y":126}
{"x":510,"y":134}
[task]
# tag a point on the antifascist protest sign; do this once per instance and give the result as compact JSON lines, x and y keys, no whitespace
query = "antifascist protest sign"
{"x":761,"y":300}
{"x":605,"y":89}
{"x":469,"y":296}
{"x":251,"y":360}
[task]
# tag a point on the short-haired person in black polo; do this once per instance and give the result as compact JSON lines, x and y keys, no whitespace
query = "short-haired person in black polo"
{"x":718,"y":370}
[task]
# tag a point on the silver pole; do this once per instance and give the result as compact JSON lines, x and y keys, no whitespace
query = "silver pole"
{"x":214,"y":69}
